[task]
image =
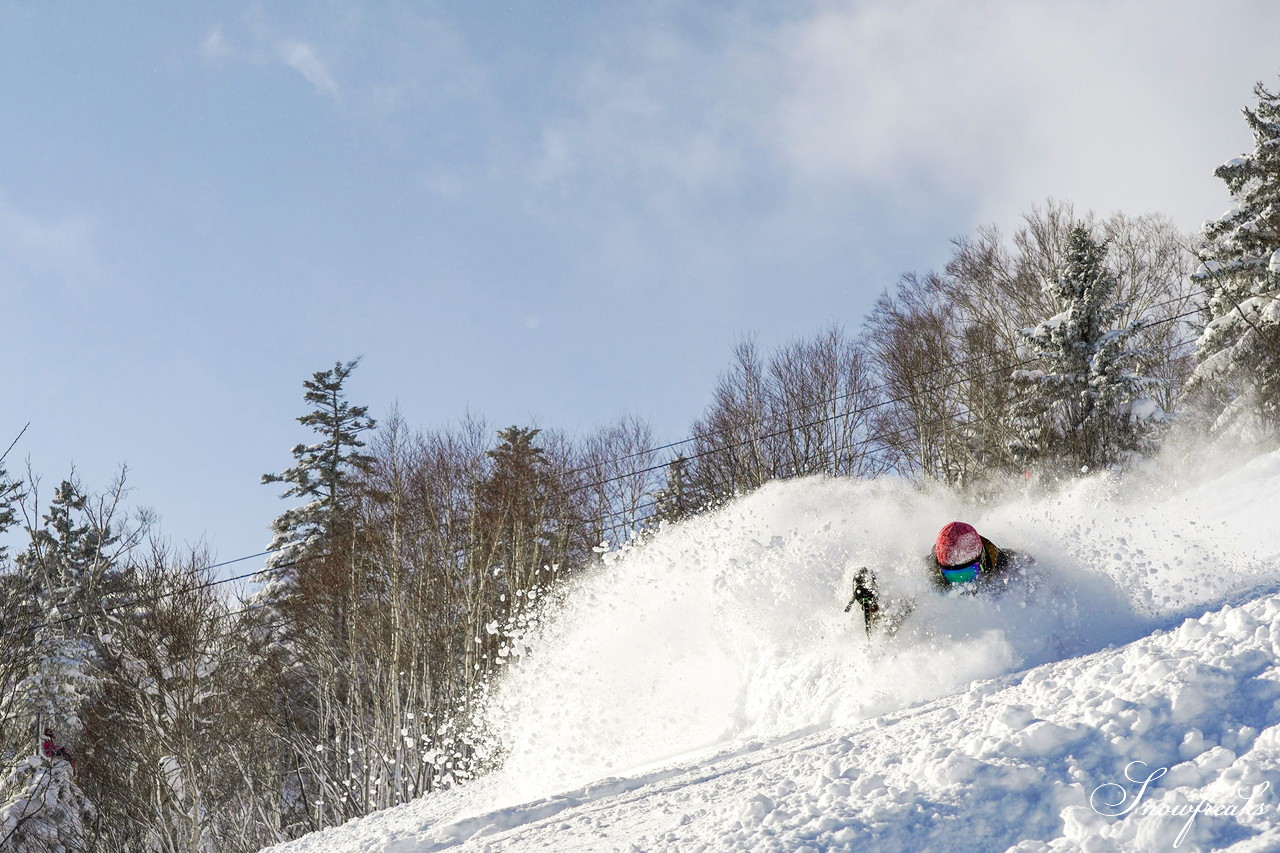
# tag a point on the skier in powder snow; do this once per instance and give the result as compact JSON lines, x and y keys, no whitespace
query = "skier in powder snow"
{"x":962,"y":560}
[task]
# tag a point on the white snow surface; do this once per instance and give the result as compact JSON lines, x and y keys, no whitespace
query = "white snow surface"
{"x":705,"y":691}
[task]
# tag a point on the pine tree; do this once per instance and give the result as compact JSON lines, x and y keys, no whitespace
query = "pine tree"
{"x":1237,"y":377}
{"x":516,"y":507}
{"x":10,"y":496}
{"x":523,"y":540}
{"x":70,"y":551}
{"x":674,"y":502}
{"x":311,"y":578}
{"x":1084,"y":409}
{"x":71,"y":576}
{"x":42,"y":810}
{"x":324,"y":474}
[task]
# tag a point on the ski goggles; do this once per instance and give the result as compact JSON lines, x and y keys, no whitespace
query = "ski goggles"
{"x":962,"y":574}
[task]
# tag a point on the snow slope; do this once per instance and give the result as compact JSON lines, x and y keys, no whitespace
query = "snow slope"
{"x":706,"y":691}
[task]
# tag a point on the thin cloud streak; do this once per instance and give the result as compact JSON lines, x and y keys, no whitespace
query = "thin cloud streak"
{"x":302,"y":57}
{"x":297,"y":54}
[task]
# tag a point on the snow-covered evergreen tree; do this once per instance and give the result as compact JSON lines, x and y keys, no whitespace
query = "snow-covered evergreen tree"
{"x":1237,"y":376}
{"x":10,"y":496}
{"x":1083,"y":409}
{"x":322,"y":476}
{"x":67,"y":577}
{"x":70,"y":574}
{"x":42,"y":810}
{"x":70,"y":551}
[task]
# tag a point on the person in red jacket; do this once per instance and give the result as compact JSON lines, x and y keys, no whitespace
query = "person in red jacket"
{"x":962,"y":559}
{"x":51,"y":749}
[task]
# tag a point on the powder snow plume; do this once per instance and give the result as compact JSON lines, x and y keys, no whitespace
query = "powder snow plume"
{"x":730,"y":626}
{"x":704,"y":690}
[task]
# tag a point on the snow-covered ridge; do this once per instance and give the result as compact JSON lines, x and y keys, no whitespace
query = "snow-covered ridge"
{"x":712,"y":681}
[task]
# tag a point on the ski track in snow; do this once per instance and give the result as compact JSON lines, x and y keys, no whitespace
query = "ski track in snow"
{"x":704,"y":691}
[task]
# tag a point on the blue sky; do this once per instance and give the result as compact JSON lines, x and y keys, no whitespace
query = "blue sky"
{"x":544,"y":212}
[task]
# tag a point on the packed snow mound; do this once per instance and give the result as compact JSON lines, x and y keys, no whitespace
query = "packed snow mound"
{"x":711,"y":677}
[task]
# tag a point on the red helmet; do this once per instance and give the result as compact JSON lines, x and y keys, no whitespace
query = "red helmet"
{"x":958,"y":543}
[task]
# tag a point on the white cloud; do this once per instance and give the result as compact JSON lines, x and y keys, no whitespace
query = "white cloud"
{"x":302,"y":57}
{"x":264,"y":47}
{"x":391,"y":65}
{"x":981,"y":107}
{"x":994,"y":104}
